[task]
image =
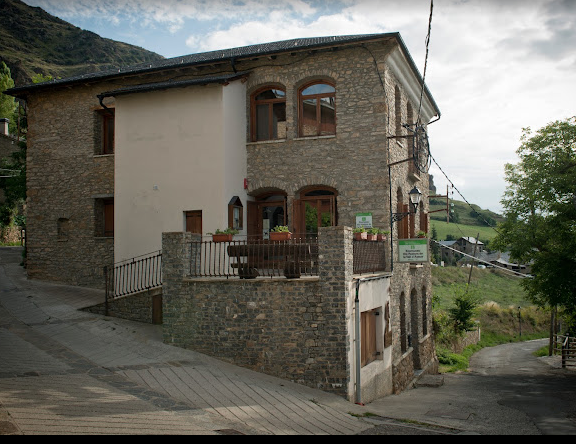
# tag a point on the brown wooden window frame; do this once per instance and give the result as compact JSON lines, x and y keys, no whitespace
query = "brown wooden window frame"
{"x":193,"y":221}
{"x":104,"y":217}
{"x":318,"y":97}
{"x":270,"y":104}
{"x":107,"y":119}
{"x":369,"y":343}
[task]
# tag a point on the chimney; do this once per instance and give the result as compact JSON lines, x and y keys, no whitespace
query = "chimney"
{"x":4,"y":127}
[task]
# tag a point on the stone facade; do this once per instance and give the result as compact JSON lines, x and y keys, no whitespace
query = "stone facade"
{"x":294,"y":329}
{"x":65,"y":177}
{"x":258,"y":323}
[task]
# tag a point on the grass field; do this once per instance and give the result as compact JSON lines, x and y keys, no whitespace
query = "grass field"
{"x":490,"y":285}
{"x":444,"y":229}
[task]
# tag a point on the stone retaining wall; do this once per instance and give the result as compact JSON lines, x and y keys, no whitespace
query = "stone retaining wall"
{"x":295,"y":329}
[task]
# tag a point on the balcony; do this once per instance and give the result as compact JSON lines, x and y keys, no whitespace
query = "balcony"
{"x":248,"y":258}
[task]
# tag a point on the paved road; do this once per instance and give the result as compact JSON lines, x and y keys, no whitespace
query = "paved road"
{"x":508,"y":391}
{"x":66,"y":371}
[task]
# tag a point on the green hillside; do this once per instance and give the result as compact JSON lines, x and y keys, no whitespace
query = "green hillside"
{"x":35,"y":42}
{"x":466,"y":220}
{"x":446,"y":231}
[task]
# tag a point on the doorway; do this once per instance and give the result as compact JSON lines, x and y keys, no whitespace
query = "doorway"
{"x":267,"y":212}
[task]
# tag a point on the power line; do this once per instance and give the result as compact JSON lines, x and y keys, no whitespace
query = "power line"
{"x":462,"y":196}
{"x":425,"y":60}
{"x":480,"y":260}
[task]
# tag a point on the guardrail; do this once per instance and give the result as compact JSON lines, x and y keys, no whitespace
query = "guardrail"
{"x":565,"y":346}
{"x":252,"y":258}
{"x":133,"y":276}
{"x":248,"y":259}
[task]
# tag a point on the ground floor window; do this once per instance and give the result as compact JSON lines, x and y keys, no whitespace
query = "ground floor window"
{"x":369,"y":348}
{"x":193,"y":221}
{"x":104,"y":217}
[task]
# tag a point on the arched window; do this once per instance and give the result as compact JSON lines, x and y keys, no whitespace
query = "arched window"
{"x":268,"y":114}
{"x":317,"y":109}
{"x":424,"y":311}
{"x":315,"y":208}
{"x":404,"y":223}
{"x":397,"y":111}
{"x":403,"y":326}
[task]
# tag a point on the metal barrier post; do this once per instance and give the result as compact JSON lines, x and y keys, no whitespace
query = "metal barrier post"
{"x":107,"y":286}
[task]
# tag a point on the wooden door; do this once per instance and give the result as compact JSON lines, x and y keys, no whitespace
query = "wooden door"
{"x":194,"y":222}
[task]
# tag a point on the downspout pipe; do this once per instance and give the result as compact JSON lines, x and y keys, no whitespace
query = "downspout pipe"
{"x":358,"y":398}
{"x":101,"y":99}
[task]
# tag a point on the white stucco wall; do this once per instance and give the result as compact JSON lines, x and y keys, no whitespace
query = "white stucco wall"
{"x":176,"y":150}
{"x":376,"y":378}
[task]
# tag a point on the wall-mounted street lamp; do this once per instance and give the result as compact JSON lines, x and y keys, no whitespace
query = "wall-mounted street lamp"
{"x":415,"y":198}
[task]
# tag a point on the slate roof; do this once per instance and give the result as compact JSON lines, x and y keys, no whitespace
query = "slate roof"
{"x":222,"y":55}
{"x":172,"y":84}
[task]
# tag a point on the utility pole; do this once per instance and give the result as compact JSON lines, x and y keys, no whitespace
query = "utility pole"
{"x":473,"y":260}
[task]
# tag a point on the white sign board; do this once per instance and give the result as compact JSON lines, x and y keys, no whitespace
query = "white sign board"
{"x":364,"y":220}
{"x":413,"y":251}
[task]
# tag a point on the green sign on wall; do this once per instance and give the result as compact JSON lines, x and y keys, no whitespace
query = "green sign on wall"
{"x":413,"y":251}
{"x":364,"y":220}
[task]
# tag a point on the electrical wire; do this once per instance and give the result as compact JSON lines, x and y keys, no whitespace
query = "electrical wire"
{"x":525,"y":276}
{"x":462,"y":196}
{"x":426,"y":60}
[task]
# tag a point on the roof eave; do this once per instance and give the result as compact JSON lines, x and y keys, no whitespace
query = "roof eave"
{"x":23,"y":91}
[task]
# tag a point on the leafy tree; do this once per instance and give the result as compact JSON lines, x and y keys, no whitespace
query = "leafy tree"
{"x":13,"y":180}
{"x":540,"y":212}
{"x":462,"y":313}
{"x":7,"y":103}
{"x":14,"y":187}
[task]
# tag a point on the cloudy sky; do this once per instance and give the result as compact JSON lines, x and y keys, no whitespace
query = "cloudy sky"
{"x":494,"y":67}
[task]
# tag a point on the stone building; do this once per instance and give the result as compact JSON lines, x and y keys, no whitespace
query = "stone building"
{"x":7,"y":142}
{"x":307,"y":133}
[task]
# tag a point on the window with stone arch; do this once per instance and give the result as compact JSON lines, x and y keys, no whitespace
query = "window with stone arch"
{"x":403,"y":324}
{"x":397,"y":111}
{"x":424,"y":312}
{"x":268,"y":114}
{"x":315,"y":207}
{"x":404,"y":223}
{"x":317,"y":109}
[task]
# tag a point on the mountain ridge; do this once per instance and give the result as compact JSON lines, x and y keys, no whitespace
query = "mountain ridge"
{"x":35,"y":42}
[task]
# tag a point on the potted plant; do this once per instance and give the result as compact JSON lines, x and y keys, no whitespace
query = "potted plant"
{"x":223,"y":235}
{"x":280,"y":233}
{"x":360,"y":233}
{"x":372,"y":234}
{"x":421,"y":234}
{"x":383,"y":235}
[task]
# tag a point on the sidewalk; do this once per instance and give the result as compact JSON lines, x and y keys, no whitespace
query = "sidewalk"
{"x":66,"y":371}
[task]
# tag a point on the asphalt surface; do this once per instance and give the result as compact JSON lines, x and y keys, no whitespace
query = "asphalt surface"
{"x":66,"y":371}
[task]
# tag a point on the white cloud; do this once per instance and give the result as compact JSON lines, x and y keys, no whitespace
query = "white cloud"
{"x":494,"y":66}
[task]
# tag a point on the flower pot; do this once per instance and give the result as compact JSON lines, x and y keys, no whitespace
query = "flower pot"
{"x":360,"y":236}
{"x":280,"y":236}
{"x":381,"y":238}
{"x":371,"y":237}
{"x":222,"y":237}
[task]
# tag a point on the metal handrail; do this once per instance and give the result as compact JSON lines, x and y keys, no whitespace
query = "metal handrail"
{"x":251,"y":258}
{"x":133,"y":276}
